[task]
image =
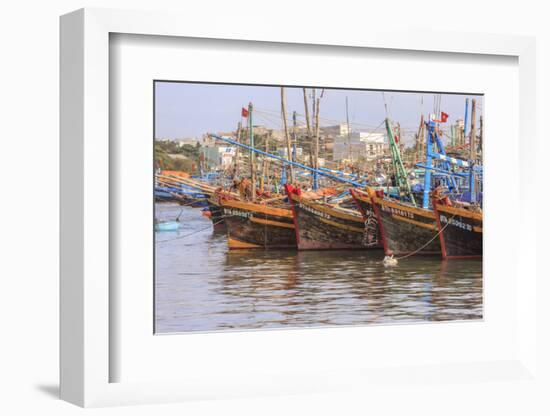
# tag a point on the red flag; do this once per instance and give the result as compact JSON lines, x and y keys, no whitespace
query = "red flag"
{"x":244,"y":112}
{"x":444,"y":117}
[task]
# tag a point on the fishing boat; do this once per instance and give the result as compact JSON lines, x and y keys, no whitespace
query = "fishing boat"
{"x":257,"y":225}
{"x":364,"y":204}
{"x":460,"y":229}
{"x":164,"y":193}
{"x":404,"y":228}
{"x":216,"y":211}
{"x":320,"y":225}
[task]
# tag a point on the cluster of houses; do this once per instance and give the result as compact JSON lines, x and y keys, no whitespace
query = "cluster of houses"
{"x":336,"y":144}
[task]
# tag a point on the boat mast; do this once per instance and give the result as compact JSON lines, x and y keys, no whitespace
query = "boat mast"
{"x":465,"y":121}
{"x":294,"y":137}
{"x":419,"y":139}
{"x":473,"y":154}
{"x":316,"y":155}
{"x":473,"y":132}
{"x":287,"y":135}
{"x":238,"y":139}
{"x":436,"y":151}
{"x":252,"y":153}
{"x":308,"y":125}
{"x":349,"y":132}
{"x":265,"y":165}
{"x":402,"y":181}
{"x":309,"y":128}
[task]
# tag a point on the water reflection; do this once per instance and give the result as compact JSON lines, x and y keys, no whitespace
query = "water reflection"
{"x":202,"y":286}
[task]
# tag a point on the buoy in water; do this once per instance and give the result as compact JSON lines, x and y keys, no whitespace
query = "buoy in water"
{"x":167,"y":226}
{"x":390,"y":261}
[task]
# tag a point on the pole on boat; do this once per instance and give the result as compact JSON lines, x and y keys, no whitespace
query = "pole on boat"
{"x":349,"y":132}
{"x":308,"y":125}
{"x":480,"y":146}
{"x":316,"y":159}
{"x":313,"y":160}
{"x":428,"y":173}
{"x":418,"y":147}
{"x":398,"y":167}
{"x":473,"y":131}
{"x":265,"y":164}
{"x":452,"y":135}
{"x":252,"y":153}
{"x":287,"y":135}
{"x":294,"y":136}
{"x":466,"y":120}
{"x":238,"y":139}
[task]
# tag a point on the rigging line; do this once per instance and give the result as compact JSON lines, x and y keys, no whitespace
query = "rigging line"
{"x":331,"y":120}
{"x":270,"y":124}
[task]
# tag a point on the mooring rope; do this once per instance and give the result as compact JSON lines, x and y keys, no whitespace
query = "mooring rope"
{"x":190,"y":234}
{"x":425,"y":245}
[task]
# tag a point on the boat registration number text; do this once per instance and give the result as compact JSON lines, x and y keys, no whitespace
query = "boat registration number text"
{"x":455,"y":223}
{"x":315,"y":212}
{"x":238,"y":213}
{"x":397,"y":211}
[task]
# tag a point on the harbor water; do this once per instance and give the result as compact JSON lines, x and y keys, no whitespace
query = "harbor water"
{"x":202,"y":286}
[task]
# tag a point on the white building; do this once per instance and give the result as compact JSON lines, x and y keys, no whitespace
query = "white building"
{"x":335,"y":131}
{"x":283,"y":153}
{"x":359,"y":145}
{"x":219,"y":156}
{"x":187,"y":141}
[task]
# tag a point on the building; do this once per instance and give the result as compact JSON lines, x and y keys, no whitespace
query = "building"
{"x":335,"y":131}
{"x":360,"y":145}
{"x":281,"y":151}
{"x":187,"y":141}
{"x":219,"y":156}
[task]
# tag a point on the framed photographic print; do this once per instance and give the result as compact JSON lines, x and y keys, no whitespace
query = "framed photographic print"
{"x":254,"y":215}
{"x":248,"y":237}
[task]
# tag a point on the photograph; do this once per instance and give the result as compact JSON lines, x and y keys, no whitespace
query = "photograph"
{"x":293,"y":207}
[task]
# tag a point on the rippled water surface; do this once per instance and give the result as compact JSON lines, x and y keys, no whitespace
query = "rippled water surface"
{"x":202,"y":286}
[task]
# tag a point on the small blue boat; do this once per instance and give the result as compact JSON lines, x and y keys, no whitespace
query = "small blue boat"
{"x":167,"y":226}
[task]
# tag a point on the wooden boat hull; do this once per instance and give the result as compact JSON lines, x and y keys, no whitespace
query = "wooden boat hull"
{"x":406,"y":229}
{"x":366,"y":208}
{"x":256,"y":226}
{"x":461,"y":232}
{"x":320,"y":226}
{"x":216,"y":212}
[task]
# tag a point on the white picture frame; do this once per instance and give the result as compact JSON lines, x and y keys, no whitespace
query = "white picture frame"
{"x":86,"y":356}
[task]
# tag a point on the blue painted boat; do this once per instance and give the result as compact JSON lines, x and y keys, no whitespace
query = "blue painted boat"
{"x":167,"y":226}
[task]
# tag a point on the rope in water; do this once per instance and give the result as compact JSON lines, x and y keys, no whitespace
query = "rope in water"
{"x":190,"y":234}
{"x":425,"y":245}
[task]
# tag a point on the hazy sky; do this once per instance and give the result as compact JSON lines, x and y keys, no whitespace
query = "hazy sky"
{"x":190,"y":110}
